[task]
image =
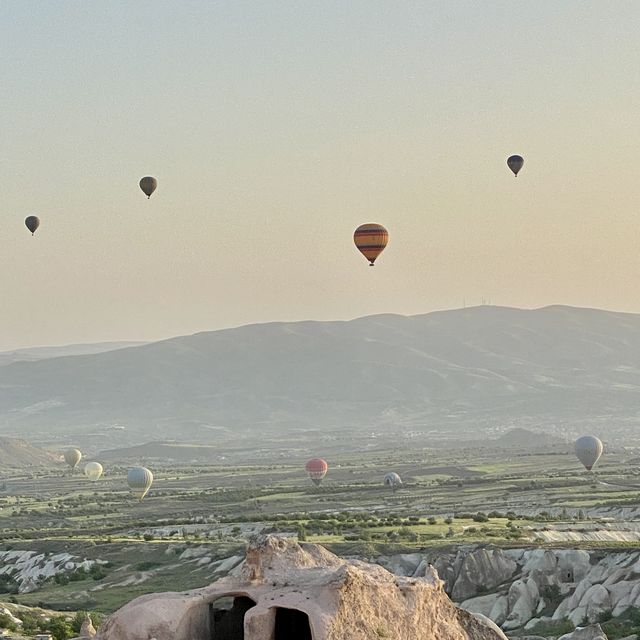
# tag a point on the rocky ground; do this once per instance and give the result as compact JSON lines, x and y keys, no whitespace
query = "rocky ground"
{"x":522,"y":589}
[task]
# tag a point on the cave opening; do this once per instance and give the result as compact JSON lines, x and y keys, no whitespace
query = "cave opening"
{"x":227,"y":617}
{"x":292,"y":624}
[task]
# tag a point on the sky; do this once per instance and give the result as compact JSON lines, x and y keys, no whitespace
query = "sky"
{"x":275,"y":128}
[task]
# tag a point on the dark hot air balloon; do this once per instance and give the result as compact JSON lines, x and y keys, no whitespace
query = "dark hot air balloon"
{"x":515,"y":163}
{"x":371,"y":239}
{"x":148,"y":185}
{"x":32,"y":223}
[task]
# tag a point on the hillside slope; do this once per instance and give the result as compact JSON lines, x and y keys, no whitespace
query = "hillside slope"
{"x":471,"y":366}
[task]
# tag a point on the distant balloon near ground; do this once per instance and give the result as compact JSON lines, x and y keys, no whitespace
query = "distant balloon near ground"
{"x":371,"y":239}
{"x":72,"y":457}
{"x":393,"y":480}
{"x":93,"y":471}
{"x":589,"y":449}
{"x":317,"y":469}
{"x":515,"y":163}
{"x":148,"y":185}
{"x":139,"y":480}
{"x":32,"y":223}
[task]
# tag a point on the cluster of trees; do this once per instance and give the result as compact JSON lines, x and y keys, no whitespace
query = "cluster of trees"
{"x":96,"y":572}
{"x":60,"y":627}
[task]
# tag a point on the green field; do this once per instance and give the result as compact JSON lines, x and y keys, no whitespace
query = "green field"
{"x":508,"y":499}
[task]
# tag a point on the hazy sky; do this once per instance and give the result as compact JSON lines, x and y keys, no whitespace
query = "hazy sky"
{"x":276,"y":127}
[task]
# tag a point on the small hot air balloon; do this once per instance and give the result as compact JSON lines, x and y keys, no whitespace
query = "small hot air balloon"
{"x":317,"y":469}
{"x":589,"y":449}
{"x":139,"y":480}
{"x":72,"y":457}
{"x":515,"y":164}
{"x":392,"y":480}
{"x":371,"y":239}
{"x":148,"y":185}
{"x":93,"y":470}
{"x":32,"y":223}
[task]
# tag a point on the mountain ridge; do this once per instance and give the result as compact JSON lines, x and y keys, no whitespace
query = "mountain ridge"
{"x":473,"y":365}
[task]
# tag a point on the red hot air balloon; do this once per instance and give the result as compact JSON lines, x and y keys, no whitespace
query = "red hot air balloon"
{"x":317,"y":469}
{"x":371,"y":239}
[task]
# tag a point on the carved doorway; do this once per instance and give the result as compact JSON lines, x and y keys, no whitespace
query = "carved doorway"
{"x":292,"y":624}
{"x":227,"y":617}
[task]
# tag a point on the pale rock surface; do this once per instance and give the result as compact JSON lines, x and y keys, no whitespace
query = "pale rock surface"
{"x":30,"y":569}
{"x":87,"y":631}
{"x":523,"y":601}
{"x":481,"y":604}
{"x":482,"y":569}
{"x":342,"y":598}
{"x":594,"y":603}
{"x":592,"y":632}
{"x":500,"y":610}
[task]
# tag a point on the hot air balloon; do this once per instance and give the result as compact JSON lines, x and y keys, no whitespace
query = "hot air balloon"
{"x":515,"y":164}
{"x":32,"y":223}
{"x":139,"y":480}
{"x":93,"y":470}
{"x":392,"y":480}
{"x":72,"y":457}
{"x":589,"y":449}
{"x":371,"y":239}
{"x":148,"y":185}
{"x":317,"y":469}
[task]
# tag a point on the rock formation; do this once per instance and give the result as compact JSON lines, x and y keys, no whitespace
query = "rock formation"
{"x":285,"y":590}
{"x":531,"y":586}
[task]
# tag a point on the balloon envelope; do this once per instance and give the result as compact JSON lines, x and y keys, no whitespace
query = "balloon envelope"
{"x":371,"y":239}
{"x":72,"y":457}
{"x":317,"y":469}
{"x":93,"y":470}
{"x":139,"y":480}
{"x":589,"y":449}
{"x":515,"y":163}
{"x":392,"y":480}
{"x":148,"y":185}
{"x":32,"y":223}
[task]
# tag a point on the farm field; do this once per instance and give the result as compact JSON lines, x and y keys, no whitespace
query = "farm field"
{"x":197,"y":516}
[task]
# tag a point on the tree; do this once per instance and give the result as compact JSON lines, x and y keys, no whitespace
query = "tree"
{"x":60,"y":628}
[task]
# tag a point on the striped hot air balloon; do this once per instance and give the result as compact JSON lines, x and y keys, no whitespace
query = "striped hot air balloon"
{"x":317,"y":469}
{"x":371,"y":239}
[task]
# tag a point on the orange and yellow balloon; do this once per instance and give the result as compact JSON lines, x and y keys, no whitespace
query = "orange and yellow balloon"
{"x":371,"y":239}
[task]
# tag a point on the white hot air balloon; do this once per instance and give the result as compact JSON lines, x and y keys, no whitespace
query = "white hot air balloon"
{"x":93,"y":471}
{"x":139,"y":480}
{"x":589,"y":449}
{"x":393,"y":480}
{"x":72,"y":457}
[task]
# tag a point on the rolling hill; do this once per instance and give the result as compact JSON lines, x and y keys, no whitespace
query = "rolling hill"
{"x":466,"y":368}
{"x":41,"y":353}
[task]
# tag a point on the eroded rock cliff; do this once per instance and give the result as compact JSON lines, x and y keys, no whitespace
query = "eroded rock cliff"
{"x":284,"y":590}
